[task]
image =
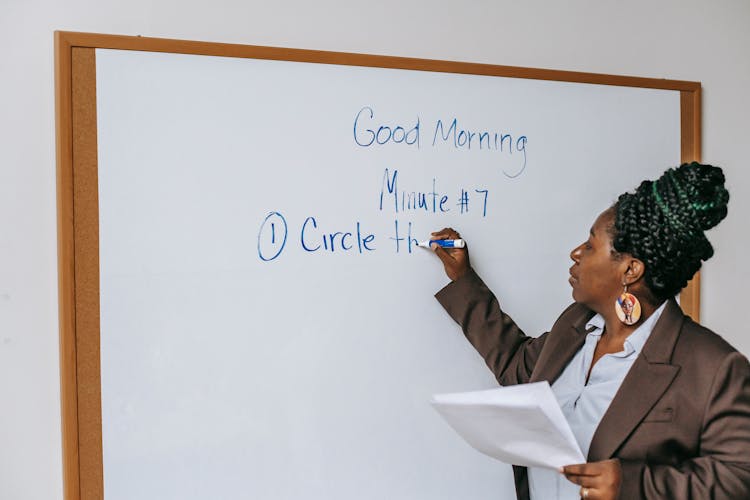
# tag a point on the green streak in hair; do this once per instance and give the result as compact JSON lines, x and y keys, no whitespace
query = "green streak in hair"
{"x":671,"y":218}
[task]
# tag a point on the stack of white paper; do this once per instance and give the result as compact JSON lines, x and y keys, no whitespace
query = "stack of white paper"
{"x":519,"y":425}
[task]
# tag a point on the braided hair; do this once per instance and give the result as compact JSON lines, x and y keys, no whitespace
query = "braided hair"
{"x":663,"y":222}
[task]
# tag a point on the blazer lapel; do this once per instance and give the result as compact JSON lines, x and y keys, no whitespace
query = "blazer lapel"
{"x":648,"y":378}
{"x":563,"y":342}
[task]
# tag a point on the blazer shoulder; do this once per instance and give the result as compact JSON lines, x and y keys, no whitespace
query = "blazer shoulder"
{"x":698,"y":341}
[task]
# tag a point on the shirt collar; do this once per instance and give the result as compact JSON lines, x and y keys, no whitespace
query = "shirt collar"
{"x":636,"y":340}
{"x":595,"y":325}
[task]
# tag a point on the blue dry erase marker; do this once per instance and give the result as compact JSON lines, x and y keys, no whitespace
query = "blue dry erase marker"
{"x":443,"y":243}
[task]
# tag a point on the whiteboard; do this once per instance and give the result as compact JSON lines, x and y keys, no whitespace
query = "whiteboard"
{"x":268,"y":329}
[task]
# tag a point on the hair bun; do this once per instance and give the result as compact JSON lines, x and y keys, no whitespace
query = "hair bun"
{"x":701,"y":192}
{"x":663,"y":223}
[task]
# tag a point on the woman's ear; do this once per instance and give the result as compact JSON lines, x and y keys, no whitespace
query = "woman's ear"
{"x":634,"y":270}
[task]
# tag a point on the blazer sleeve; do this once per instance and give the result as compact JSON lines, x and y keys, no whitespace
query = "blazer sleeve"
{"x":722,"y":471}
{"x":508,"y":352}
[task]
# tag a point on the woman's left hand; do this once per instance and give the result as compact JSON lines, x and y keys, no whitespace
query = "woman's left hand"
{"x":598,"y":480}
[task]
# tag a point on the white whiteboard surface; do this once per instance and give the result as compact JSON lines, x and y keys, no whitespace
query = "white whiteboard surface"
{"x":308,"y":375}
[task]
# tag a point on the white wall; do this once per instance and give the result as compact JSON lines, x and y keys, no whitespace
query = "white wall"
{"x":677,"y":39}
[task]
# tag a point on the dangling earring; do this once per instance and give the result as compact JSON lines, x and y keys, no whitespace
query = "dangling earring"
{"x":628,"y":308}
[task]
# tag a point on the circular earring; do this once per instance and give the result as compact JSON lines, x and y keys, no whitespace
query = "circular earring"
{"x":628,"y":308}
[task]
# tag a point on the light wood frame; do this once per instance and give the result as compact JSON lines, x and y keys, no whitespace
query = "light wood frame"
{"x":78,"y":212}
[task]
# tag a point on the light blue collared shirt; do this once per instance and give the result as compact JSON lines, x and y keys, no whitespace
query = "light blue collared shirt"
{"x":584,"y":403}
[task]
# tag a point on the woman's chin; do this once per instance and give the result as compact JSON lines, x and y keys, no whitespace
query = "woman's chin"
{"x":573,"y":291}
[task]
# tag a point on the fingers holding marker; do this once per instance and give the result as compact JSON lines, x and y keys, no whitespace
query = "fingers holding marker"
{"x":446,"y":238}
{"x":446,"y":233}
{"x":444,"y":243}
{"x":452,"y":252}
{"x":444,"y":256}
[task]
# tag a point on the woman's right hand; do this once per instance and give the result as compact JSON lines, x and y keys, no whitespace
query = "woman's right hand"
{"x":455,"y":260}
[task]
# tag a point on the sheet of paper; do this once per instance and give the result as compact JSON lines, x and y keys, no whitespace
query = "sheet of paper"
{"x":519,"y":425}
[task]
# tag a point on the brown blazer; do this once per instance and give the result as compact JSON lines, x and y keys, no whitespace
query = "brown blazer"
{"x":680,"y":422}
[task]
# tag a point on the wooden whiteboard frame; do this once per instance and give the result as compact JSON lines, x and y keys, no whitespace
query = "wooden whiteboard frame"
{"x":78,"y":208}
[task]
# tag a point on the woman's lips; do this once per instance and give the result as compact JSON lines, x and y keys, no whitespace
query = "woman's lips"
{"x":572,"y":278}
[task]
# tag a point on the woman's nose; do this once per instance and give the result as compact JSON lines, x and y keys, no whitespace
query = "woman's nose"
{"x":575,"y":254}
